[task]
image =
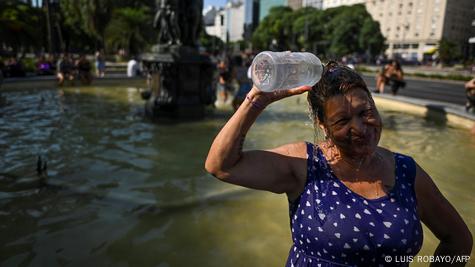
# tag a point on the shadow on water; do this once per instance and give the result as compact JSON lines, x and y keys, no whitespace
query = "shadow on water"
{"x":436,"y":114}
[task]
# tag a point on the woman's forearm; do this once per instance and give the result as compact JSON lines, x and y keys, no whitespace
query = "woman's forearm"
{"x":226,"y":149}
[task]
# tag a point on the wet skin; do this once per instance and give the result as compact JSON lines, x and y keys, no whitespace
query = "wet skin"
{"x":353,"y":123}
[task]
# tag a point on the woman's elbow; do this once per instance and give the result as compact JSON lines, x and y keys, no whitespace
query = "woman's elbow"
{"x":467,"y":242}
{"x":215,"y":170}
{"x":462,"y":241}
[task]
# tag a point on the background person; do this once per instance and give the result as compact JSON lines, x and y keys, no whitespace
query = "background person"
{"x":65,"y":69}
{"x":224,"y":81}
{"x":133,"y":68}
{"x":100,"y":64}
{"x":243,"y":78}
{"x":83,"y":67}
{"x":351,"y":201}
{"x":392,"y":74}
{"x":470,"y":93}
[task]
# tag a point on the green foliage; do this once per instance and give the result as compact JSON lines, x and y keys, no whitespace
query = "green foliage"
{"x":29,"y":64}
{"x":448,"y":52}
{"x":211,"y":43}
{"x":101,"y":22}
{"x":274,"y":30}
{"x":127,"y":29}
{"x":19,"y":25}
{"x":335,"y":32}
{"x":87,"y":17}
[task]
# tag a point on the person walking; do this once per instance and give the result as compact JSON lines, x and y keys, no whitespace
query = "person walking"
{"x":100,"y":64}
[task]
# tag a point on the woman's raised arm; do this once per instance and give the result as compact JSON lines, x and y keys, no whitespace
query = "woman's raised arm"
{"x":271,"y":170}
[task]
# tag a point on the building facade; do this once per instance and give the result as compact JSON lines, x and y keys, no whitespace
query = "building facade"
{"x":235,"y":12}
{"x":313,"y":3}
{"x":336,"y":3}
{"x":413,"y":29}
{"x":251,"y":17}
{"x":266,"y":5}
{"x":218,"y":27}
{"x":231,"y":22}
{"x":295,"y":4}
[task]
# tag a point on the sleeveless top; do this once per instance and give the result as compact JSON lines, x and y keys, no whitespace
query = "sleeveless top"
{"x":333,"y":226}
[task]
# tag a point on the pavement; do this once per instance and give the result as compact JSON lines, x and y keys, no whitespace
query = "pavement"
{"x":444,"y":96}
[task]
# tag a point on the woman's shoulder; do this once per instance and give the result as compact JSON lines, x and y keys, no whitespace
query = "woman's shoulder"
{"x":397,"y":158}
{"x":297,"y":149}
{"x":386,"y":152}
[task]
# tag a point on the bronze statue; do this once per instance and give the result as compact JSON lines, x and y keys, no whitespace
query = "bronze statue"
{"x":191,"y":21}
{"x":166,"y":20}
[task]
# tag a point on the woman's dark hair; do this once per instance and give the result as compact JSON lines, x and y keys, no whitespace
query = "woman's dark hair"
{"x":336,"y":80}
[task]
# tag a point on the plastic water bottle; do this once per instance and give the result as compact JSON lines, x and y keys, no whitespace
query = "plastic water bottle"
{"x":285,"y":70}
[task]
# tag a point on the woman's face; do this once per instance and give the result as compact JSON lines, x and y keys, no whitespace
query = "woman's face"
{"x":352,"y":122}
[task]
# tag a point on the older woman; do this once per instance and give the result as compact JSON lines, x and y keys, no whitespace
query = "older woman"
{"x":351,"y":202}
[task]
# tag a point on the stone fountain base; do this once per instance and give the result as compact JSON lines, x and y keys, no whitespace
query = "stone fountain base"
{"x":180,"y":81}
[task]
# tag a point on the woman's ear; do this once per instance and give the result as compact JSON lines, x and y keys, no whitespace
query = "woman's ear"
{"x":324,"y":130}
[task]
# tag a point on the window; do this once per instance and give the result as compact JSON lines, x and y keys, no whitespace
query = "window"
{"x":415,"y":46}
{"x":405,"y":46}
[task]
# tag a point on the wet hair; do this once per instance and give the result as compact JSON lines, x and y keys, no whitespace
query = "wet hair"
{"x":336,"y":80}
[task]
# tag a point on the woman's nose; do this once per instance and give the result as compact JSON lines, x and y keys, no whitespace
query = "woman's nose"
{"x":358,"y":126}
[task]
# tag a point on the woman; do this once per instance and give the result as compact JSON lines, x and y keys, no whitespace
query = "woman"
{"x":351,"y":201}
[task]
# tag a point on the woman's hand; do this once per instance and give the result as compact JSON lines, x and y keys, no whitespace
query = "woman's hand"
{"x":260,"y":99}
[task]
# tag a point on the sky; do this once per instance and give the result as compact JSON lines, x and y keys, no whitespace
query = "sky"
{"x":214,"y":3}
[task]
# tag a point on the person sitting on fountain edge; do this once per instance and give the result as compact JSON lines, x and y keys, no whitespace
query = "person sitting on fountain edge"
{"x":351,"y":201}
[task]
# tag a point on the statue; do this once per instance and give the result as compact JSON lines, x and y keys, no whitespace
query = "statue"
{"x":191,"y":21}
{"x":181,"y":78}
{"x":166,"y":20}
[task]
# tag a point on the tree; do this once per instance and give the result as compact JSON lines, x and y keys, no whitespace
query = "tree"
{"x":211,"y":43}
{"x":87,"y":21}
{"x":344,"y":29}
{"x":274,"y":30}
{"x":448,"y":51}
{"x":335,"y":32}
{"x":371,"y":37}
{"x":19,"y":26}
{"x":130,"y":29}
{"x":307,"y":28}
{"x":90,"y":17}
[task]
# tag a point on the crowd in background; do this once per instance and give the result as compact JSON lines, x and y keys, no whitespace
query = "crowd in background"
{"x":233,"y":80}
{"x":65,"y":66}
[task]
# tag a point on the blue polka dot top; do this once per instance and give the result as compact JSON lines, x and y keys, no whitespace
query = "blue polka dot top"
{"x":334,"y":226}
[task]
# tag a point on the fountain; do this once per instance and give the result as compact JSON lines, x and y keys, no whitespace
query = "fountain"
{"x":180,"y":77}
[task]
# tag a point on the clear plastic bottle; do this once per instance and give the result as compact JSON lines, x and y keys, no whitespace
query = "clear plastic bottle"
{"x":284,"y":70}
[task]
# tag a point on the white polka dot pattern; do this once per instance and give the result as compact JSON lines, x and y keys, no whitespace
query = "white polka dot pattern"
{"x":333,"y":226}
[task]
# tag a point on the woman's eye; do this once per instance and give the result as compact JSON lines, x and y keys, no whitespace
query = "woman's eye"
{"x":341,"y":121}
{"x":367,"y":112}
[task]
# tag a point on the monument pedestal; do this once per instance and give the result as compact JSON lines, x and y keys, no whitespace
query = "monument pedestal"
{"x":181,"y":82}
